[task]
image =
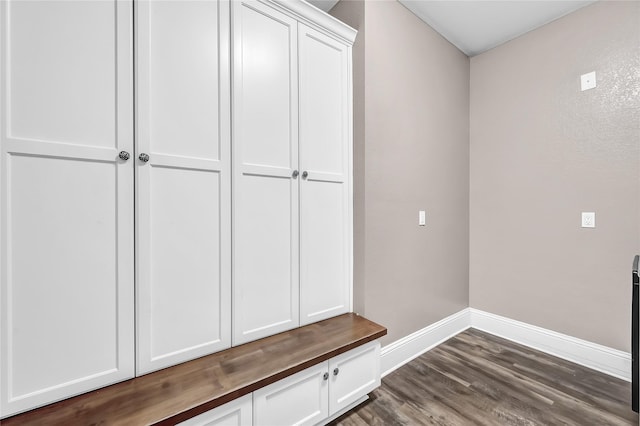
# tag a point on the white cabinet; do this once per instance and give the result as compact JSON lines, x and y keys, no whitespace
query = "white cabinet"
{"x":353,"y":374}
{"x":325,"y":158}
{"x":292,"y":173}
{"x":235,"y":413}
{"x":183,"y":210}
{"x":66,"y":219}
{"x":102,"y":276}
{"x":265,"y":150}
{"x":313,"y":395}
{"x":300,"y":399}
{"x":309,"y":397}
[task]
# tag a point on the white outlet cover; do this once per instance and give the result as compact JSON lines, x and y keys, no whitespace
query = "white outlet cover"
{"x":588,"y":81}
{"x":422,"y":218}
{"x":588,"y":219}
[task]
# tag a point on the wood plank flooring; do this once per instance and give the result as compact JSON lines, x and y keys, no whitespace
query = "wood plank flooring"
{"x":479,"y":379}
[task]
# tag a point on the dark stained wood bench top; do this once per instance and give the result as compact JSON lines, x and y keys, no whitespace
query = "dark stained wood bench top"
{"x":183,"y":391}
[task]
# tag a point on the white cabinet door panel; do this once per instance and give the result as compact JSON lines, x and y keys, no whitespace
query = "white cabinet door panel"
{"x":265,"y":236}
{"x":300,"y":399}
{"x":353,"y":375}
{"x":183,"y":75}
{"x":185,"y":297}
{"x":265,"y":297}
{"x":61,"y":70}
{"x":325,"y":219}
{"x":324,"y":267}
{"x":265,"y":77}
{"x":324,"y":102}
{"x":183,"y":216}
{"x":238,"y":412}
{"x":66,"y":229}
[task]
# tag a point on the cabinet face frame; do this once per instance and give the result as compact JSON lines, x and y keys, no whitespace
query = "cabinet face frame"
{"x":200,"y":267}
{"x":68,"y":149}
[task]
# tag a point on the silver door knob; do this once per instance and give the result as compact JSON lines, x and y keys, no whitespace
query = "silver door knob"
{"x":336,"y":371}
{"x":325,"y":376}
{"x":124,"y":155}
{"x":305,"y":174}
{"x":295,"y":174}
{"x":143,"y":157}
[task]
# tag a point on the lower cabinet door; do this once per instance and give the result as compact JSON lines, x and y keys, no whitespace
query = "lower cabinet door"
{"x":234,"y":413}
{"x":301,"y":399}
{"x":353,"y":375}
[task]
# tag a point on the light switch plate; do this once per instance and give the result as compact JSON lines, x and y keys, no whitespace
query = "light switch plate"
{"x":588,"y":219}
{"x":422,"y":218}
{"x":588,"y":81}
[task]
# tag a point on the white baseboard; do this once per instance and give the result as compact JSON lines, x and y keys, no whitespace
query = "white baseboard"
{"x":592,"y":355}
{"x":398,"y":353}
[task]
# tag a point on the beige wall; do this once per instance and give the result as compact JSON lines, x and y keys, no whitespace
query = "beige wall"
{"x":542,"y":152}
{"x":412,"y":154}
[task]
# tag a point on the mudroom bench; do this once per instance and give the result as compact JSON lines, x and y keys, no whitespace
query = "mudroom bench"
{"x":312,"y":373}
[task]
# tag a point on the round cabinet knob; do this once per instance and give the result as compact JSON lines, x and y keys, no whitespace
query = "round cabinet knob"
{"x":295,"y":174}
{"x":336,"y":371}
{"x":305,"y":174}
{"x":325,"y":376}
{"x":143,"y":157}
{"x":124,"y":155}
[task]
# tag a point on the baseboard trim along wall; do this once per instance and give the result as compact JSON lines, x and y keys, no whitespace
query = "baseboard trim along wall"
{"x":607,"y":360}
{"x":597,"y":357}
{"x":400,"y":352}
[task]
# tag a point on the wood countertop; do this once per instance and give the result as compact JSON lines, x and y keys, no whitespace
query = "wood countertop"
{"x":177,"y":393}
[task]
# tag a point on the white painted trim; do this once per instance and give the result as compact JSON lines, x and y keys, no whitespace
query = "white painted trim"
{"x":310,"y":15}
{"x":400,"y":352}
{"x":601,"y":358}
{"x":592,"y":355}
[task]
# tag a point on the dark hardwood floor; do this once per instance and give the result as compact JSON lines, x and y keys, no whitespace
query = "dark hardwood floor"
{"x":479,"y":379}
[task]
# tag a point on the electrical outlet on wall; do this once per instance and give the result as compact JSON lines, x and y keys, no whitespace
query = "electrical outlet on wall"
{"x":422,"y":218}
{"x":588,"y":81}
{"x":588,"y":219}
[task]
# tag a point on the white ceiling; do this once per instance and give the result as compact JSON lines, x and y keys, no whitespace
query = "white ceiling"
{"x":475,"y":26}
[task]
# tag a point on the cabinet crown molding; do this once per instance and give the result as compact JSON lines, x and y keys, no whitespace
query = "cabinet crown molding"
{"x":319,"y":20}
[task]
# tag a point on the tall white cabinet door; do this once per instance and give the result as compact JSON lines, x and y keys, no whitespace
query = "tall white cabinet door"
{"x":265,"y":228}
{"x":325,"y":208}
{"x":300,"y":399}
{"x":66,"y":232}
{"x":183,"y":213}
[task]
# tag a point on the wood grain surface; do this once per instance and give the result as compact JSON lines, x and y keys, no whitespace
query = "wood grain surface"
{"x":177,"y":393}
{"x":479,"y":379}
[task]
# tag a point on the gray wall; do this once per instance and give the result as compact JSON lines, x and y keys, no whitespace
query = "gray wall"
{"x":412,"y":153}
{"x":542,"y":152}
